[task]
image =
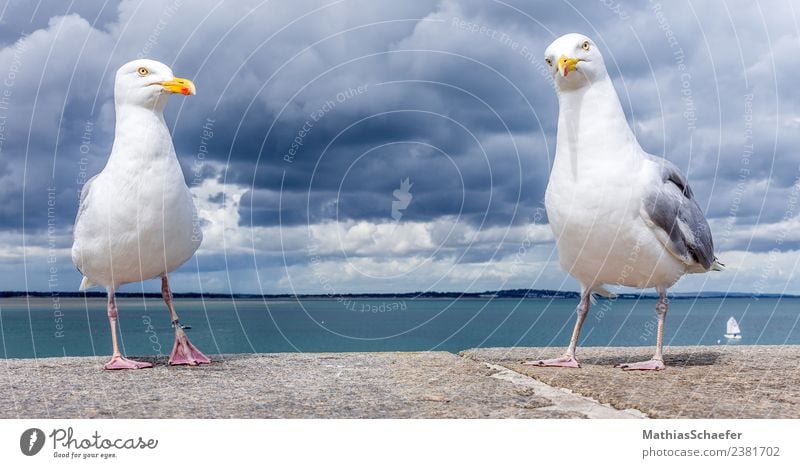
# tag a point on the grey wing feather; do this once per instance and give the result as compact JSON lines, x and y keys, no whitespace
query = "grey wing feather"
{"x":81,"y":209}
{"x":672,"y":207}
{"x":84,"y":198}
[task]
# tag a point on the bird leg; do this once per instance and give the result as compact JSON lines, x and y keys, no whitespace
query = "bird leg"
{"x":657,"y":362}
{"x":568,"y":359}
{"x":118,"y":362}
{"x":183,"y":351}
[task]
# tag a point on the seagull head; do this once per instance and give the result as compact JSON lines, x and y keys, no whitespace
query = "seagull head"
{"x":147,"y":83}
{"x":574,"y":61}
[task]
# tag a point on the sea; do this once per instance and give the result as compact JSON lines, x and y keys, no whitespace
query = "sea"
{"x":60,"y":326}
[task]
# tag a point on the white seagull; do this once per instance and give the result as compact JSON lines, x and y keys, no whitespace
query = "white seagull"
{"x":136,"y":219}
{"x":619,"y":215}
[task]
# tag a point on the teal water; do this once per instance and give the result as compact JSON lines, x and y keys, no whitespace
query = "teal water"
{"x":46,"y":327}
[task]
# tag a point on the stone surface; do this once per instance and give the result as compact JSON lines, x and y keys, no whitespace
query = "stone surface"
{"x":565,"y":399}
{"x":367,"y":385}
{"x":699,"y":382}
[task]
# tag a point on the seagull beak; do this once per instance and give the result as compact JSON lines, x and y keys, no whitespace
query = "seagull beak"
{"x":566,"y":65}
{"x":179,"y":85}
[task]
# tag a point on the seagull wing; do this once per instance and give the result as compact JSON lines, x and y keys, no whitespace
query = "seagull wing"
{"x":87,"y":187}
{"x":678,"y":220}
{"x":84,"y":202}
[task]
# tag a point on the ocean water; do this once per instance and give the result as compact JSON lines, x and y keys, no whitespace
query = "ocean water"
{"x":45,"y":327}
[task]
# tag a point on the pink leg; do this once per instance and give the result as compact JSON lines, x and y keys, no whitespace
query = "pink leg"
{"x":657,"y":362}
{"x":183,"y":351}
{"x":118,"y":362}
{"x":568,"y":359}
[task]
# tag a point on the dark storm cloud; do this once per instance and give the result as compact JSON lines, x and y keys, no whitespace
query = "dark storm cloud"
{"x":461,"y":81}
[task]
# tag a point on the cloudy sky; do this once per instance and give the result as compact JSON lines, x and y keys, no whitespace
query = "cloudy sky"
{"x":353,"y":146}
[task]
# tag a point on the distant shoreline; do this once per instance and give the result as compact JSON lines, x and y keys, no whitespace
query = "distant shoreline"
{"x":503,"y":294}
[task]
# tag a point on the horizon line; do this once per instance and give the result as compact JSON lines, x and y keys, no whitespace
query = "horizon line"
{"x":518,"y":291}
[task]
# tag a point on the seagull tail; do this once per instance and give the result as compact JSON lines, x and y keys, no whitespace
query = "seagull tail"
{"x":603,"y":292}
{"x":717,"y":265}
{"x":85,"y":284}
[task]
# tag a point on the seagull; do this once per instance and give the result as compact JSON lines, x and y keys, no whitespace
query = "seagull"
{"x":136,"y":218}
{"x":620,"y":216}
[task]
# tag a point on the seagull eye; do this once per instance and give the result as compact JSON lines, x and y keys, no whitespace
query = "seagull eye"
{"x":142,"y":71}
{"x":585,"y":45}
{"x":549,"y":61}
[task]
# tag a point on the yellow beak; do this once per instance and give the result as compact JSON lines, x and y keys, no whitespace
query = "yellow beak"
{"x":566,"y":65}
{"x":179,"y":85}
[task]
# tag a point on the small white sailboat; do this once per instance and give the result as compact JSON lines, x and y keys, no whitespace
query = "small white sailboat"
{"x":733,"y":332}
